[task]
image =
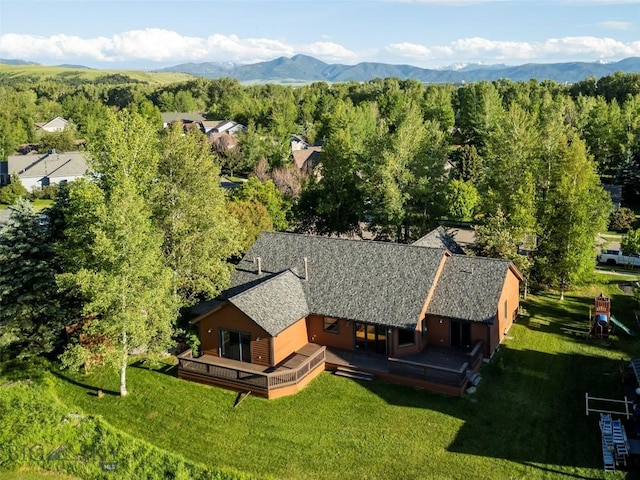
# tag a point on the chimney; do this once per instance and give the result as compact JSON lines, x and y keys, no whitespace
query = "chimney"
{"x":259,"y":261}
{"x":306,"y":268}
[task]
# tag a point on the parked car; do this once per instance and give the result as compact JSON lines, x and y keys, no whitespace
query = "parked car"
{"x":617,"y":257}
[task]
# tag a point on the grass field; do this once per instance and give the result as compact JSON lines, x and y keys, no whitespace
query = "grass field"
{"x":66,"y":73}
{"x":526,"y":420}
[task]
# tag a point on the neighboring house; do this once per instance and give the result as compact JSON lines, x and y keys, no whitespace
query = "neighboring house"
{"x":301,"y":304}
{"x":307,"y":160}
{"x":58,"y":124}
{"x":184,"y":117}
{"x":228,"y":126}
{"x":36,"y":171}
{"x":439,"y":238}
{"x":298,"y":143}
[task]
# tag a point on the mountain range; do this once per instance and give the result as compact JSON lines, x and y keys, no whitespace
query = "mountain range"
{"x":305,"y":69}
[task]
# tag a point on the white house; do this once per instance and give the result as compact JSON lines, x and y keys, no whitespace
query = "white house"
{"x":37,"y":171}
{"x":58,"y":124}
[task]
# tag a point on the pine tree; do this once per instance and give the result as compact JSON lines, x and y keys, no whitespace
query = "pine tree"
{"x":31,"y":316}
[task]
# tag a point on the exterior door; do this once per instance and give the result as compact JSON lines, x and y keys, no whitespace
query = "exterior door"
{"x":235,"y":345}
{"x":460,"y":334}
{"x":370,"y":338}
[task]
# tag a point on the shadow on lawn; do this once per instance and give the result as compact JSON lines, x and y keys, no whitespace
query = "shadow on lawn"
{"x":165,"y":369}
{"x":94,"y":389}
{"x":529,"y":408}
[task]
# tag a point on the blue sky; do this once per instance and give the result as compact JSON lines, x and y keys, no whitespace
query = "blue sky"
{"x":426,"y":33}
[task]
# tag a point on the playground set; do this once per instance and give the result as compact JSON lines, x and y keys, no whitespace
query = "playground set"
{"x":617,"y":417}
{"x":602,"y":322}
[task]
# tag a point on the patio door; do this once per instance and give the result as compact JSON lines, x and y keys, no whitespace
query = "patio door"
{"x":235,"y":345}
{"x":460,"y":334}
{"x":370,"y":338}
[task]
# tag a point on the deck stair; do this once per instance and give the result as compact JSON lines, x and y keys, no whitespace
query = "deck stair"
{"x":354,"y":373}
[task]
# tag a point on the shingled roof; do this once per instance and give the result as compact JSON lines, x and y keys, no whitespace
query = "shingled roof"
{"x":52,"y":164}
{"x":383,"y":283}
{"x":439,"y":238}
{"x":275,"y":303}
{"x":469,"y":288}
{"x":376,"y":282}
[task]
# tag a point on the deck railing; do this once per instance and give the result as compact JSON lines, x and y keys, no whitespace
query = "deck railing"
{"x":250,"y":378}
{"x":431,"y":373}
{"x":437,"y":373}
{"x":475,"y":355}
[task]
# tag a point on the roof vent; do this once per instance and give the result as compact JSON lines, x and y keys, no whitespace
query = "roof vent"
{"x":259,"y":262}
{"x":306,"y":268}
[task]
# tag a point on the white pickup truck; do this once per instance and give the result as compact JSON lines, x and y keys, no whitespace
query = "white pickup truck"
{"x":616,"y":257}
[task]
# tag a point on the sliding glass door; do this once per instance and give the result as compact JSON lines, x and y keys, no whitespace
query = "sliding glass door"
{"x":371,"y":338}
{"x":235,"y":345}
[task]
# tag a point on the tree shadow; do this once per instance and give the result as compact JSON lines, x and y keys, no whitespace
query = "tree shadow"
{"x":529,"y":408}
{"x":94,"y":389}
{"x":165,"y":369}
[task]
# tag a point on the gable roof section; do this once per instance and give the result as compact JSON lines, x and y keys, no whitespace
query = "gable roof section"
{"x":439,"y":238}
{"x":274,"y":304}
{"x":469,"y":288}
{"x":52,"y":165}
{"x":383,"y":283}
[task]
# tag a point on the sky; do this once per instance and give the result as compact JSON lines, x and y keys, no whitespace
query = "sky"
{"x":144,"y":34}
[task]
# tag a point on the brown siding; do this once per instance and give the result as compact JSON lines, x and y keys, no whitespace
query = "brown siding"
{"x":289,"y":340}
{"x":511,"y":295}
{"x":343,"y":339}
{"x":261,"y":351}
{"x":480,"y":332}
{"x":395,"y":350}
{"x":227,"y":317}
{"x":438,"y":331}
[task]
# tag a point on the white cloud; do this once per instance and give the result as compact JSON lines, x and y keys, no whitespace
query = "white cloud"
{"x":330,"y":51}
{"x":615,"y":25}
{"x":155,"y":45}
{"x":478,"y":49}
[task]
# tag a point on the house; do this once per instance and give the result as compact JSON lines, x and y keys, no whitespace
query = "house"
{"x":229,"y":126}
{"x":306,"y":160}
{"x":37,"y":171}
{"x":439,"y":238}
{"x":298,"y":143}
{"x":300,"y":304}
{"x":58,"y":124}
{"x":184,"y":117}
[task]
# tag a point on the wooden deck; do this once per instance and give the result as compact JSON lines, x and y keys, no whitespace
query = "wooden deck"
{"x":439,"y":369}
{"x":286,"y":378}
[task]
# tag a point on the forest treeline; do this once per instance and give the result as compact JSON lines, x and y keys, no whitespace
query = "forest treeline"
{"x":152,"y":231}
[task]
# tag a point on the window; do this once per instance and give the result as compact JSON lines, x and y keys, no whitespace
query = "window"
{"x":331,"y":325}
{"x":406,"y":337}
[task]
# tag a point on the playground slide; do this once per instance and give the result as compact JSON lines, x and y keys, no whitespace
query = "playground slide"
{"x":622,"y":326}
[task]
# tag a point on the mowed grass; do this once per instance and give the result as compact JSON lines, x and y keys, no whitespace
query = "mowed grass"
{"x":526,"y":420}
{"x":44,"y":72}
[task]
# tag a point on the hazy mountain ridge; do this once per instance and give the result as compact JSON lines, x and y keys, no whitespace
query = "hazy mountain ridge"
{"x":303,"y":68}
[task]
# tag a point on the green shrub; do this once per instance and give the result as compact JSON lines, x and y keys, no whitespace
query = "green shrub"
{"x":622,"y":220}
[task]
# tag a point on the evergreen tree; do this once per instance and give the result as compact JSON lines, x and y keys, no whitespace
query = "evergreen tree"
{"x":31,"y":314}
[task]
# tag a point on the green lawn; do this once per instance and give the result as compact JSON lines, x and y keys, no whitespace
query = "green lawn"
{"x":526,"y":420}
